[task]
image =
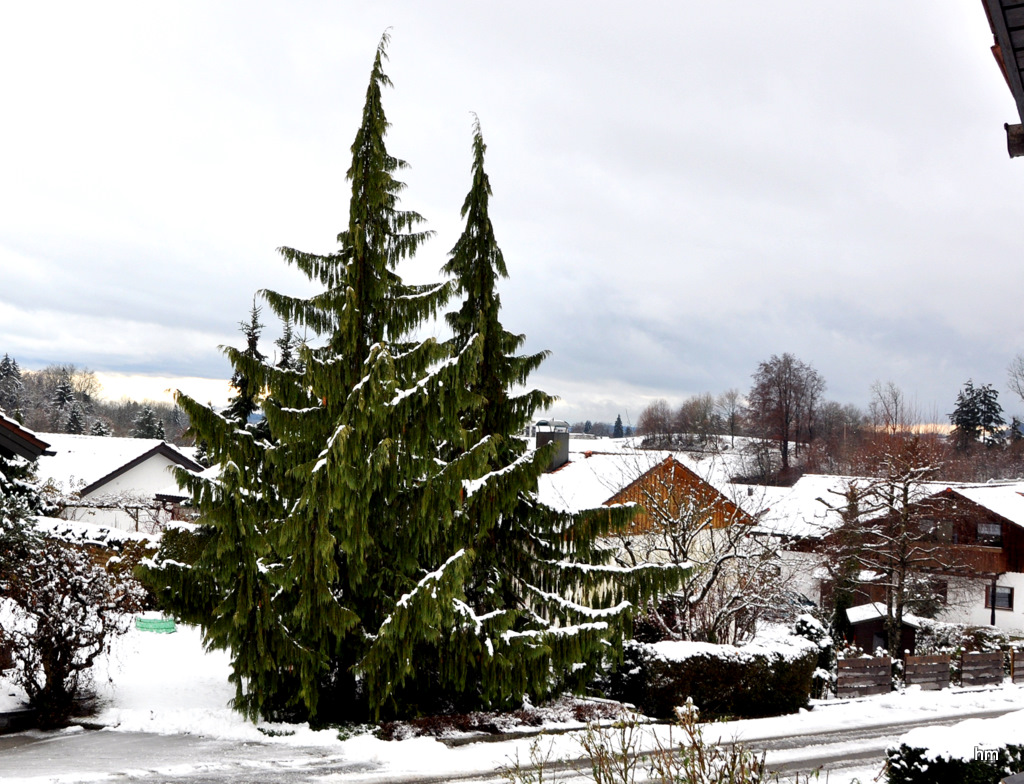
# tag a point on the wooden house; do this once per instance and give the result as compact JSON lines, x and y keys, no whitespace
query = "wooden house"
{"x":667,"y":487}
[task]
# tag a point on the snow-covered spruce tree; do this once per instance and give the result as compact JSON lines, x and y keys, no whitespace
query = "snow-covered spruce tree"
{"x":216,"y":577}
{"x":540,"y":609}
{"x":328,"y":545}
{"x":147,"y":424}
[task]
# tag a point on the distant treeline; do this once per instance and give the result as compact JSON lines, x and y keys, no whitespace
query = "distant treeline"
{"x":64,"y":398}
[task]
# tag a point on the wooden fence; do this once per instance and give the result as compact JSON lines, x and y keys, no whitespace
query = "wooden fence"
{"x":1017,"y":666}
{"x":928,"y":672}
{"x":982,"y":669}
{"x":861,"y":677}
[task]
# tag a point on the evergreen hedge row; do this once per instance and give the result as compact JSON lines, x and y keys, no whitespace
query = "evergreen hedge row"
{"x":721,"y":680}
{"x":907,"y":765}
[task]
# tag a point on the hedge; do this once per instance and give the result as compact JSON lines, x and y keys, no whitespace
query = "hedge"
{"x":722,"y":680}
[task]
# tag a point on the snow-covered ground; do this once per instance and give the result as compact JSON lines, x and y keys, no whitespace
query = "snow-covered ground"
{"x":166,"y":684}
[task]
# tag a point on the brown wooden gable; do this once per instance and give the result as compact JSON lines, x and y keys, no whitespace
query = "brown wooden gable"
{"x":669,"y":485}
{"x":958,"y":518}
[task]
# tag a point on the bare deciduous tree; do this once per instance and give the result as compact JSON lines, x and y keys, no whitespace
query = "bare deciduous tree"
{"x":784,"y":400}
{"x":735,"y":578}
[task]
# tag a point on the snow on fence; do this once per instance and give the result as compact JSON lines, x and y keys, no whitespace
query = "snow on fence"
{"x":982,"y":669}
{"x":1017,"y":666}
{"x":928,"y":672}
{"x":861,"y":677}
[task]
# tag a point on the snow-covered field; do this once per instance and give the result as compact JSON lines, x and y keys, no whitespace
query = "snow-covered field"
{"x":167,"y":684}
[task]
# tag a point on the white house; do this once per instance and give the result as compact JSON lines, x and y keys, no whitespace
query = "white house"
{"x":124,"y":483}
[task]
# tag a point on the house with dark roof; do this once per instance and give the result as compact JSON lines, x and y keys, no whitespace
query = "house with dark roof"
{"x":125,"y":483}
{"x":977,"y":531}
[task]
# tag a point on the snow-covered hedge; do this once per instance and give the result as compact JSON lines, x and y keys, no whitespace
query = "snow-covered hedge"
{"x":976,"y":751}
{"x":767,"y":677}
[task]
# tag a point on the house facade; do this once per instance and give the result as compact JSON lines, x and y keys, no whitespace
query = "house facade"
{"x":124,"y":483}
{"x":975,"y":532}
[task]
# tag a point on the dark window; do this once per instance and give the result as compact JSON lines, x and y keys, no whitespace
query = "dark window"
{"x":1004,"y":597}
{"x":990,"y":534}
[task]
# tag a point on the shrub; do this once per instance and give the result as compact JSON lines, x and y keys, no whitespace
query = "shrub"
{"x":909,"y":765}
{"x":66,"y":612}
{"x":759,"y":679}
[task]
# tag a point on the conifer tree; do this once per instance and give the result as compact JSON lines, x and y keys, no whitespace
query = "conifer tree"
{"x":99,"y":428}
{"x":63,"y":394}
{"x":617,"y":430}
{"x":247,"y":400}
{"x":328,"y":557}
{"x":522,"y":627}
{"x":75,"y":423}
{"x":11,"y":386}
{"x":147,"y":424}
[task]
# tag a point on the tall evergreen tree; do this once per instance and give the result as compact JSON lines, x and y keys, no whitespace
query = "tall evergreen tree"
{"x":327,"y":559}
{"x":517,"y":632}
{"x":617,"y":430}
{"x":383,"y":528}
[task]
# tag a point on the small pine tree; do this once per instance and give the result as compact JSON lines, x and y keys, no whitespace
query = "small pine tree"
{"x":63,"y":394}
{"x":75,"y":423}
{"x":247,"y":400}
{"x":99,"y":428}
{"x":977,"y":417}
{"x":288,"y":346}
{"x":147,"y":424}
{"x":11,"y":386}
{"x":617,"y":431}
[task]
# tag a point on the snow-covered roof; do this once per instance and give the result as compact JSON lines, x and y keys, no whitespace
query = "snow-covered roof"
{"x":875,"y":610}
{"x":85,"y":462}
{"x":801,"y":510}
{"x":586,"y":481}
{"x":592,"y":477}
{"x":1005,"y":499}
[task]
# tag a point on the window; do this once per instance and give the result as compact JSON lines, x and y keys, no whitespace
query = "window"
{"x":1004,"y":597}
{"x":990,"y":534}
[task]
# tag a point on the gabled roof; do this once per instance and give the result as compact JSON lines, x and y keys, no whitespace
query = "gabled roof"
{"x":1003,"y":499}
{"x":589,"y":479}
{"x":98,"y":460}
{"x":17,"y":440}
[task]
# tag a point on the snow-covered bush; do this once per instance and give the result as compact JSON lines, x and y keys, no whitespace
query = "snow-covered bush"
{"x":976,"y":751}
{"x":770,"y":676}
{"x":813,"y":630}
{"x":64,"y":611}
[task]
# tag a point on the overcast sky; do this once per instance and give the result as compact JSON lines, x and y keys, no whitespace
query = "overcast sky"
{"x":681,"y":189}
